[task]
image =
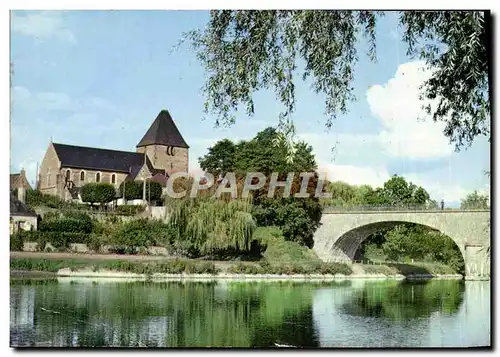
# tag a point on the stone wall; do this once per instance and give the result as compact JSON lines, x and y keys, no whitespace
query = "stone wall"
{"x":49,"y":169}
{"x":83,"y":249}
{"x":340,"y":234}
{"x":160,"y":157}
{"x":26,"y":223}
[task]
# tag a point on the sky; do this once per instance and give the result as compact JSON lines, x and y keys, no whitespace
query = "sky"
{"x":99,"y":78}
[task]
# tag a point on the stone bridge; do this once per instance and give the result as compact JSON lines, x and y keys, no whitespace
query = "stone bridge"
{"x":341,"y":233}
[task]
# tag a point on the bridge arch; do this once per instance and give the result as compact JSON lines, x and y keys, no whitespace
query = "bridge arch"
{"x":341,"y":233}
{"x":348,"y":244}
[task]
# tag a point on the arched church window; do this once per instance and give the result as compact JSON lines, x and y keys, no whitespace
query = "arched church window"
{"x":98,"y":177}
{"x":68,"y":175}
{"x":82,"y":176}
{"x":113,"y":178}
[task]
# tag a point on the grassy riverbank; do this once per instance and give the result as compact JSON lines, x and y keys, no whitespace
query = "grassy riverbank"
{"x":145,"y":267}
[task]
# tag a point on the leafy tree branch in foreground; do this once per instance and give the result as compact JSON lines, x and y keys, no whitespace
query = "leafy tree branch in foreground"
{"x":247,"y":51}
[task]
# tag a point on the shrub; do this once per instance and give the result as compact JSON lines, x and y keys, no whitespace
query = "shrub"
{"x":133,"y":190}
{"x":61,"y":240}
{"x":142,"y":233}
{"x":77,"y":222}
{"x":213,"y":226}
{"x":98,"y":193}
{"x":241,"y":268}
{"x":297,"y":218}
{"x":17,"y":241}
{"x":130,"y":209}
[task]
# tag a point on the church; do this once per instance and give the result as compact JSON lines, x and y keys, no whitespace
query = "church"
{"x":160,"y":152}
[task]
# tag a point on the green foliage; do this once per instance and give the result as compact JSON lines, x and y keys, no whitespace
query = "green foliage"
{"x":457,"y":44}
{"x":400,"y":192}
{"x":60,"y":240}
{"x":142,"y":233}
{"x":247,"y":51}
{"x":48,"y":265}
{"x":396,"y":192}
{"x":98,"y":192}
{"x":261,"y":154}
{"x":211,"y":226}
{"x":154,"y":190}
{"x":298,"y":218}
{"x":219,"y":159}
{"x":408,"y":242}
{"x":475,"y":200}
{"x":35,"y":198}
{"x":133,"y":190}
{"x":168,"y":267}
{"x":290,"y":268}
{"x":71,"y":221}
{"x":130,"y":209}
{"x":16,"y":242}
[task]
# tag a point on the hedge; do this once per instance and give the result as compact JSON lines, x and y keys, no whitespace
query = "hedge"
{"x":130,"y":209}
{"x":60,"y":240}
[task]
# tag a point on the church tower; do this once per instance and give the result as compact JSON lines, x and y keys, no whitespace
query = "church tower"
{"x":164,"y":145}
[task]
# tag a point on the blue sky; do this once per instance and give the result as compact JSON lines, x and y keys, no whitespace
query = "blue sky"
{"x":99,"y":78}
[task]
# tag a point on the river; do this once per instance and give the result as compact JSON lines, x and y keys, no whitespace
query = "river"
{"x":68,"y":312}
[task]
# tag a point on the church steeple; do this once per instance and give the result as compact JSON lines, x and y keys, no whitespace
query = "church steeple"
{"x":164,"y":145}
{"x":163,"y":131}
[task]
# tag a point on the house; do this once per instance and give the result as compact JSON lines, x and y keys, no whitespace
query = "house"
{"x":19,"y":180}
{"x":160,"y":152}
{"x":22,"y":216}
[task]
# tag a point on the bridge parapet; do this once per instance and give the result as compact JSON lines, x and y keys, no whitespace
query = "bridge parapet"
{"x":396,"y":208}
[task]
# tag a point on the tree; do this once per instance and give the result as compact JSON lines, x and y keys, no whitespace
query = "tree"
{"x":298,"y":217}
{"x":246,"y":51}
{"x":154,"y":190}
{"x":475,"y":200}
{"x":133,"y":190}
{"x":98,"y":193}
{"x":400,"y":192}
{"x":219,"y":159}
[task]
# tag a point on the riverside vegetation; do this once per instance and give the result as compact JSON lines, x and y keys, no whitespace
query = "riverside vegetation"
{"x":270,"y":235}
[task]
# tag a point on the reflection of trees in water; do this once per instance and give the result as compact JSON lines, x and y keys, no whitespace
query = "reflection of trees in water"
{"x":406,"y":300}
{"x":170,"y":314}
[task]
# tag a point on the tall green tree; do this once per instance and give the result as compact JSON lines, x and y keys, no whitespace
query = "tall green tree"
{"x":246,"y":51}
{"x":475,"y":200}
{"x":98,"y":193}
{"x":298,"y":217}
{"x":220,"y":158}
{"x":400,"y":192}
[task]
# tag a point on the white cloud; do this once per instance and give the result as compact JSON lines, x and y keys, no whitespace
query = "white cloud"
{"x":42,"y":25}
{"x":407,"y":130}
{"x":355,"y":175}
{"x":23,"y":99}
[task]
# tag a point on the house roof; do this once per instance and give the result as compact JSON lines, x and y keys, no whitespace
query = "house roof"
{"x":161,"y":178}
{"x":163,"y":131}
{"x":19,"y":180}
{"x":99,"y":159}
{"x":17,"y":208}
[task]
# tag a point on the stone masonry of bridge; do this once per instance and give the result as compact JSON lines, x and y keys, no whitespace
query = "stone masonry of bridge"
{"x":341,"y":233}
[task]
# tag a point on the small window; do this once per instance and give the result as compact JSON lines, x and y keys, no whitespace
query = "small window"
{"x":68,"y":175}
{"x":113,"y":178}
{"x":82,"y":176}
{"x":98,"y":177}
{"x":48,"y":179}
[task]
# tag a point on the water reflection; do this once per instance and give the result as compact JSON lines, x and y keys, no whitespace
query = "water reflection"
{"x":240,"y":314}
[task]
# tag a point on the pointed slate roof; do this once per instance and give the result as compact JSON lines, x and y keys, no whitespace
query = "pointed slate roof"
{"x":17,"y":208}
{"x":163,"y":131}
{"x":82,"y":157}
